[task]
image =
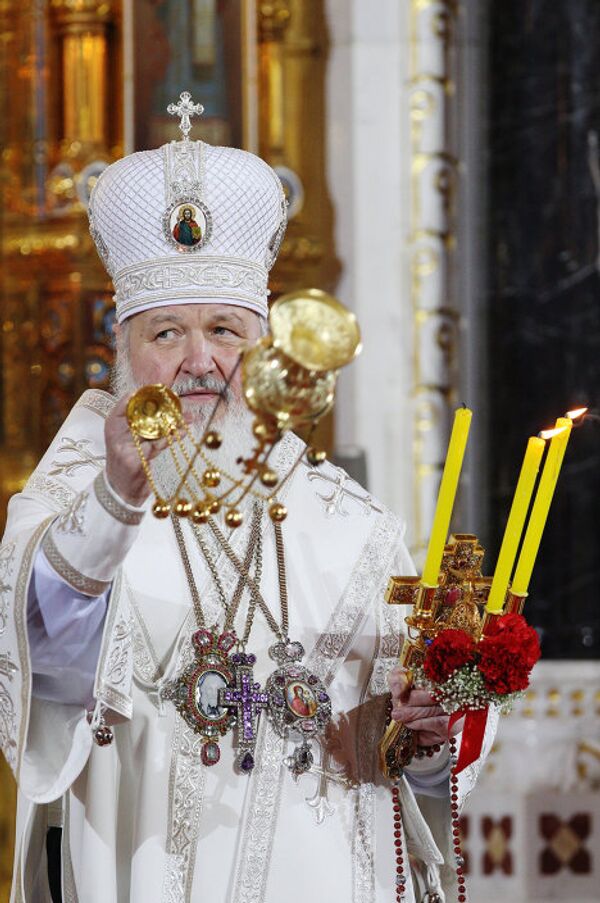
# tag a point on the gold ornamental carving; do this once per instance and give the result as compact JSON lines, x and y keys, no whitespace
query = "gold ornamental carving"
{"x":79,"y":15}
{"x":53,"y":156}
{"x":273,"y":19}
{"x":292,"y":59}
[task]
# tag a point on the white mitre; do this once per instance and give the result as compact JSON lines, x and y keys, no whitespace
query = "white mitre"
{"x":188,"y":223}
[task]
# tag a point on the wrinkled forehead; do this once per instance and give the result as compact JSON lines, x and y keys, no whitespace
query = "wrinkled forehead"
{"x":196,"y":311}
{"x":192,"y":314}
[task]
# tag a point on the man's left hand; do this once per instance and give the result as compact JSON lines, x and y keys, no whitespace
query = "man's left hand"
{"x":419,"y":711}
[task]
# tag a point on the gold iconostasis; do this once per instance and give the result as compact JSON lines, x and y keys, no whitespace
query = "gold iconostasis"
{"x":81,"y":83}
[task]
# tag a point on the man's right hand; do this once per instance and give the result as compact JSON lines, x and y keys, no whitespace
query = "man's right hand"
{"x":124,"y":470}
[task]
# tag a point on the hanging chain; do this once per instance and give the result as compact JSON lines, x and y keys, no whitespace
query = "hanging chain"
{"x":281,"y":574}
{"x":254,"y":550}
{"x":279,"y":631}
{"x":188,"y":572}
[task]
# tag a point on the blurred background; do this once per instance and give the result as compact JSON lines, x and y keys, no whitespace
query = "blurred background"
{"x":442,"y":164}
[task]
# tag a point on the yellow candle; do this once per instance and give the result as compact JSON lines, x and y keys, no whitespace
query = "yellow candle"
{"x":514,"y":525}
{"x":446,"y":496}
{"x":541,"y":506}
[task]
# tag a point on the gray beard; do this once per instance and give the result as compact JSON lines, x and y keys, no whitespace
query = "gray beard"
{"x":232,"y":420}
{"x":235,"y":428}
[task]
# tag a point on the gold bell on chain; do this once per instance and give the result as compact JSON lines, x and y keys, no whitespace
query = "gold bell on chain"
{"x":277,"y":512}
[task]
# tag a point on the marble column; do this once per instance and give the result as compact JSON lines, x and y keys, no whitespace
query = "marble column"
{"x":399,"y":109}
{"x":543,"y":280}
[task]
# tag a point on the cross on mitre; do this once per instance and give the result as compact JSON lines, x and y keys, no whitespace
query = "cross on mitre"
{"x":184,"y":109}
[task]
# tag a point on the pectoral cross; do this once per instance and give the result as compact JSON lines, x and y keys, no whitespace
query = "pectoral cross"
{"x":248,"y":699}
{"x":326,"y":774}
{"x":184,"y":109}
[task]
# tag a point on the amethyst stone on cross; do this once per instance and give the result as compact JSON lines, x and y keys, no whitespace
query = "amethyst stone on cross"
{"x":247,"y":698}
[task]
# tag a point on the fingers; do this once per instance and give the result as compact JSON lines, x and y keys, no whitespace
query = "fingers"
{"x":399,"y":681}
{"x":429,"y":738}
{"x":436,"y":727}
{"x":420,"y":697}
{"x":409,"y":714}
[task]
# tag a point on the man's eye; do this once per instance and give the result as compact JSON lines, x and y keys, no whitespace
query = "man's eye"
{"x":165,"y":334}
{"x":223,"y":330}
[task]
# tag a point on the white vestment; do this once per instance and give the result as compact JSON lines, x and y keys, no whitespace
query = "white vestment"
{"x":143,"y":819}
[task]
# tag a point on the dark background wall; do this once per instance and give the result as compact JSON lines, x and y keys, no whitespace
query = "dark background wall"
{"x":544,"y":290}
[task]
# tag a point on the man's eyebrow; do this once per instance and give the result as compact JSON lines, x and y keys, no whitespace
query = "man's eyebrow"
{"x":163,"y":318}
{"x":229,"y":315}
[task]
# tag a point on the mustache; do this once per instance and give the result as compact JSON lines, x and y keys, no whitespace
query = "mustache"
{"x":208,"y":382}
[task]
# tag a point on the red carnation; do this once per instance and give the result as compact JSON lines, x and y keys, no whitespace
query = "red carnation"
{"x":506,"y":659}
{"x":516,"y":626}
{"x":451,"y":649}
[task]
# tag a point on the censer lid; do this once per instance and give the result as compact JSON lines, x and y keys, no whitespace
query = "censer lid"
{"x":314,"y":330}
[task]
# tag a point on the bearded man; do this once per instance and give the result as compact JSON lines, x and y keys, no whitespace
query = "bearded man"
{"x":104,"y":600}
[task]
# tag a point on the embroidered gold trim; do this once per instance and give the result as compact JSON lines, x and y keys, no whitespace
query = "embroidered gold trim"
{"x":115,"y":664}
{"x":122,"y":512}
{"x":71,"y":575}
{"x":97,"y":400}
{"x":60,"y":495}
{"x":68,"y":875}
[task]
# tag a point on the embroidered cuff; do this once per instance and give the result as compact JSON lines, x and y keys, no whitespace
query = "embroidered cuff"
{"x":88,"y":541}
{"x":114,"y":504}
{"x":86,"y":585}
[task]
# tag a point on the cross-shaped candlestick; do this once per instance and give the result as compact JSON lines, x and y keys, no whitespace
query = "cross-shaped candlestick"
{"x":184,"y":109}
{"x":248,"y":699}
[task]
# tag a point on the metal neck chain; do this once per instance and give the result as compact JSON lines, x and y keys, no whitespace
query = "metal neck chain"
{"x":280,"y":631}
{"x":254,"y":549}
{"x":254,"y":543}
{"x":188,"y":572}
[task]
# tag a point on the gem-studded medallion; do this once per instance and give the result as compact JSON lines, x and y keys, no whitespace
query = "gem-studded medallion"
{"x":298,"y":703}
{"x":196,"y":692}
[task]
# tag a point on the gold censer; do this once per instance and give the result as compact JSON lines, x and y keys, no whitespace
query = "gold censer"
{"x":288,"y":380}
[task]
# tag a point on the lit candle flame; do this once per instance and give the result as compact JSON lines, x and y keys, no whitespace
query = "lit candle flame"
{"x":578,"y":412}
{"x":548,"y":434}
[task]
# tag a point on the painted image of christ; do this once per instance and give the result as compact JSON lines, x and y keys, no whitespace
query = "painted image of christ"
{"x":186,"y":230}
{"x":301,"y":700}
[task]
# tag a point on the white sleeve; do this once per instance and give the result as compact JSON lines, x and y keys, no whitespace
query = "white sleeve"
{"x":69,"y":589}
{"x":89,"y":541}
{"x":65,"y":631}
{"x":429,"y":776}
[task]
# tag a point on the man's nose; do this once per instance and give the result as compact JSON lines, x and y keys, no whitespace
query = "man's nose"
{"x":198,"y":359}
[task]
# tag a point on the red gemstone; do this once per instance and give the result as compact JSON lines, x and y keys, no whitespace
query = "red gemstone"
{"x":210,"y":753}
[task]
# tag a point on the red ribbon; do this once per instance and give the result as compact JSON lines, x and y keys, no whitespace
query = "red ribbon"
{"x":472,"y":736}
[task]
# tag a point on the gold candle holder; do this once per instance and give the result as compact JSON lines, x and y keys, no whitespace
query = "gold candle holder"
{"x":515,"y":603}
{"x":457,"y":601}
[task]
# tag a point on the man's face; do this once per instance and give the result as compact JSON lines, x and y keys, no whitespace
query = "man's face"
{"x":176,"y":344}
{"x":187,"y":214}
